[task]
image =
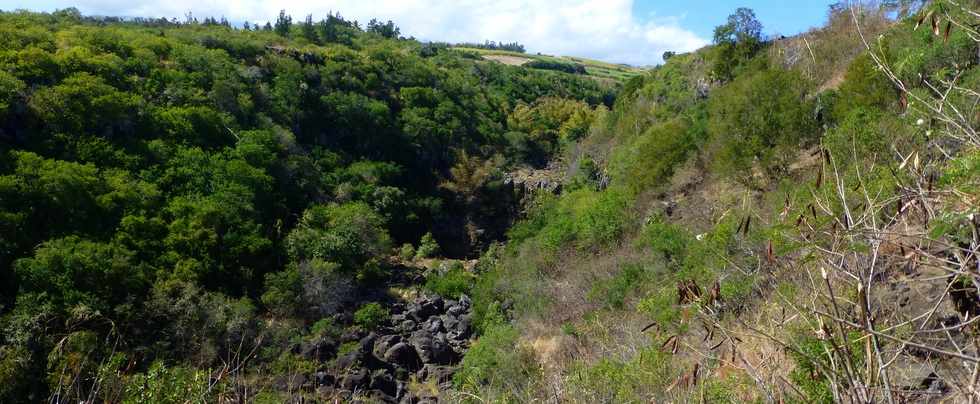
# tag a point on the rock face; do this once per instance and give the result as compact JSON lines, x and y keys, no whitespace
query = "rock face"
{"x":424,"y":338}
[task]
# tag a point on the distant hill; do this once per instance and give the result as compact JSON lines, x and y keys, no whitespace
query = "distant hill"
{"x":594,"y":68}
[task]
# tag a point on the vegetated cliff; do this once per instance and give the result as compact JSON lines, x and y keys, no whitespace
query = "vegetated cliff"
{"x":785,"y":220}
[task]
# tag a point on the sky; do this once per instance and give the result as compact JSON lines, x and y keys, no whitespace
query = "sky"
{"x":636,"y":32}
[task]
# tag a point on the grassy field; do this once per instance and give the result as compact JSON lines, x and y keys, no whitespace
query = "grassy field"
{"x":593,"y":67}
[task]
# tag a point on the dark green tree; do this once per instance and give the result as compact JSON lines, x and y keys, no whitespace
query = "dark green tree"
{"x":736,"y":42}
{"x":284,"y":23}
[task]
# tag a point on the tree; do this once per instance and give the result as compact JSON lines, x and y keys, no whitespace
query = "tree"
{"x":349,"y":234}
{"x":73,"y":271}
{"x":309,"y":30}
{"x":736,"y":42}
{"x":387,"y":30}
{"x":668,"y":54}
{"x":284,"y":23}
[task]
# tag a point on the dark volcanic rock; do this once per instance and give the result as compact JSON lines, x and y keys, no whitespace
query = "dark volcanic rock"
{"x":320,"y":350}
{"x":383,"y":343}
{"x":407,"y":326}
{"x":425,"y":308}
{"x":352,"y":334}
{"x":382,"y":381}
{"x":355,"y":379}
{"x":439,"y":374}
{"x":432,"y":348}
{"x":433,"y":325}
{"x":323,"y":379}
{"x":367,"y":343}
{"x":403,"y":355}
{"x":349,"y":360}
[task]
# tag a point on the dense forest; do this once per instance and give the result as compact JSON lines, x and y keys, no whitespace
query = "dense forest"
{"x":174,"y":194}
{"x":314,"y":211}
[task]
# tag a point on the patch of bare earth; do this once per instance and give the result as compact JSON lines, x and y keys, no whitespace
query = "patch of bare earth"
{"x":507,"y":60}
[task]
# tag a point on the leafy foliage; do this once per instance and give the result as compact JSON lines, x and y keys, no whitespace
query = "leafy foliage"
{"x":177,"y":180}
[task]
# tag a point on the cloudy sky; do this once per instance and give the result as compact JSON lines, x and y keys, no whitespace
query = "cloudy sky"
{"x":625,"y":31}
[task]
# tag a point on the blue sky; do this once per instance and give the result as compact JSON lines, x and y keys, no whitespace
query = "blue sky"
{"x":785,"y":17}
{"x":624,"y":31}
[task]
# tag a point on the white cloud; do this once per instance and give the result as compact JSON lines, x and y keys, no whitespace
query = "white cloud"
{"x":601,"y":29}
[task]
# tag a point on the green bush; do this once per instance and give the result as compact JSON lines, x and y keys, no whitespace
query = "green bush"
{"x":428,"y":247}
{"x":169,"y":385}
{"x":370,"y":316}
{"x":73,"y":271}
{"x":760,"y":120}
{"x":665,"y":238}
{"x":857,"y":136}
{"x":650,"y":159}
{"x":452,"y":284}
{"x":864,"y":89}
{"x":406,"y":252}
{"x":642,"y":378}
{"x":613,"y":292}
{"x":350,"y":234}
{"x":497,"y":361}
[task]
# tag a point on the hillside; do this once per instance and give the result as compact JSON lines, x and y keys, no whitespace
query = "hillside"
{"x":593,"y":68}
{"x":788,"y":220}
{"x":324,"y":212}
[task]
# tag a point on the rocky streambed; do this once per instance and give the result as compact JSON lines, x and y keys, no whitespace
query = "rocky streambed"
{"x":408,"y":359}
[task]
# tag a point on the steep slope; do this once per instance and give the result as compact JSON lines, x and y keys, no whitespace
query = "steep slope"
{"x":790,"y":220}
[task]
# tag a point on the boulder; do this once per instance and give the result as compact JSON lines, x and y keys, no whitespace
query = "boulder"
{"x":407,"y":326}
{"x":319,"y":350}
{"x":456,"y":309}
{"x":382,"y":381}
{"x":433,"y":325}
{"x":349,"y":360}
{"x":323,"y":379}
{"x":383,"y":343}
{"x":432,"y":348}
{"x":352,"y":334}
{"x":439,"y":374}
{"x":461,"y":329}
{"x":425,"y":308}
{"x":358,"y":378}
{"x":403,"y":355}
{"x":367,"y":343}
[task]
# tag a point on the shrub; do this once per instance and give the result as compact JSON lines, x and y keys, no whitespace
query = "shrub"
{"x":370,"y":316}
{"x":324,"y":327}
{"x":613,"y":292}
{"x":760,"y":120}
{"x":166,"y":385}
{"x":73,"y":271}
{"x":567,"y":67}
{"x":312,"y":288}
{"x":643,"y":376}
{"x":665,"y":238}
{"x":864,"y":88}
{"x":453,"y":283}
{"x":857,"y":136}
{"x":428,"y":247}
{"x":406,"y":252}
{"x":349,"y":234}
{"x":497,"y":360}
{"x":649,"y":160}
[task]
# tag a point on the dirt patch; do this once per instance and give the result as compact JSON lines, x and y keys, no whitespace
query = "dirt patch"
{"x":507,"y":60}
